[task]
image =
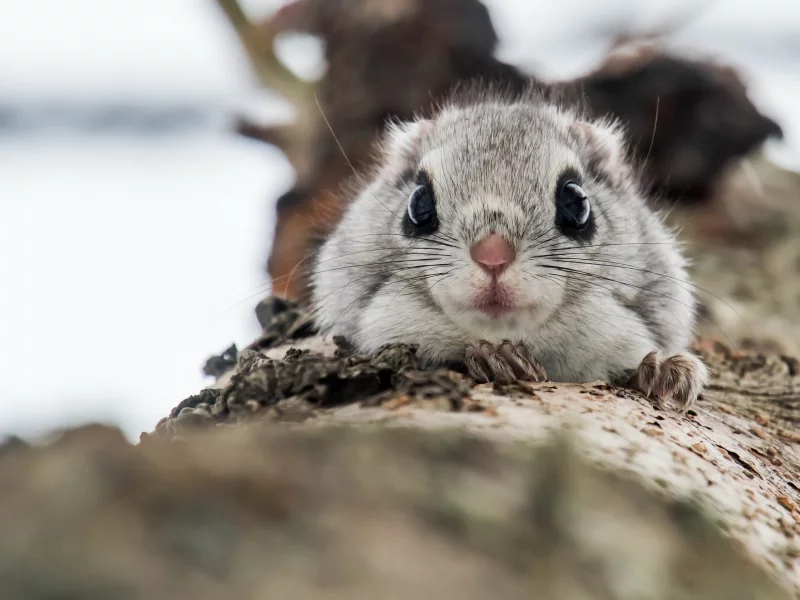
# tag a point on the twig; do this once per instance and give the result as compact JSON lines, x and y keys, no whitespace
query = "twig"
{"x":258,"y":42}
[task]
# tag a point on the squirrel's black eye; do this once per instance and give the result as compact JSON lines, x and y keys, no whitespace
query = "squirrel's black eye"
{"x":422,"y":209}
{"x":572,"y":208}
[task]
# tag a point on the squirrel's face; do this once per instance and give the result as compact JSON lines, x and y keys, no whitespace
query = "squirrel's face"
{"x":502,"y":208}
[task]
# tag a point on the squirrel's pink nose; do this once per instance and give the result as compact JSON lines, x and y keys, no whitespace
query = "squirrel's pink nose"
{"x":493,"y":254}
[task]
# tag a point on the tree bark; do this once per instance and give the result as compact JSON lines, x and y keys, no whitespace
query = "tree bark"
{"x":433,"y":487}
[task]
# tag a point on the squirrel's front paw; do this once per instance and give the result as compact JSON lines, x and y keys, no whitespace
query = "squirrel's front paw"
{"x":679,"y":378}
{"x":505,"y":363}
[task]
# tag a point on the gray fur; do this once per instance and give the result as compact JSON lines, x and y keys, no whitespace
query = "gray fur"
{"x":494,"y":164}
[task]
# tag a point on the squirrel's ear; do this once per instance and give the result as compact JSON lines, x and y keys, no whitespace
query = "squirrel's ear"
{"x":605,"y":147}
{"x":403,"y":141}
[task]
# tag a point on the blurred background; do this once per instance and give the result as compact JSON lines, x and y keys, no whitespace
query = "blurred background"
{"x":135,"y":222}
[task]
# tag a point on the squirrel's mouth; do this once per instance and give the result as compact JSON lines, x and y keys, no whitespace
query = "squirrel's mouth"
{"x":496,"y":309}
{"x":495,"y":302}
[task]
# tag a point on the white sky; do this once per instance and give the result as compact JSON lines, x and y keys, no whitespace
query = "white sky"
{"x":126,"y":261}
